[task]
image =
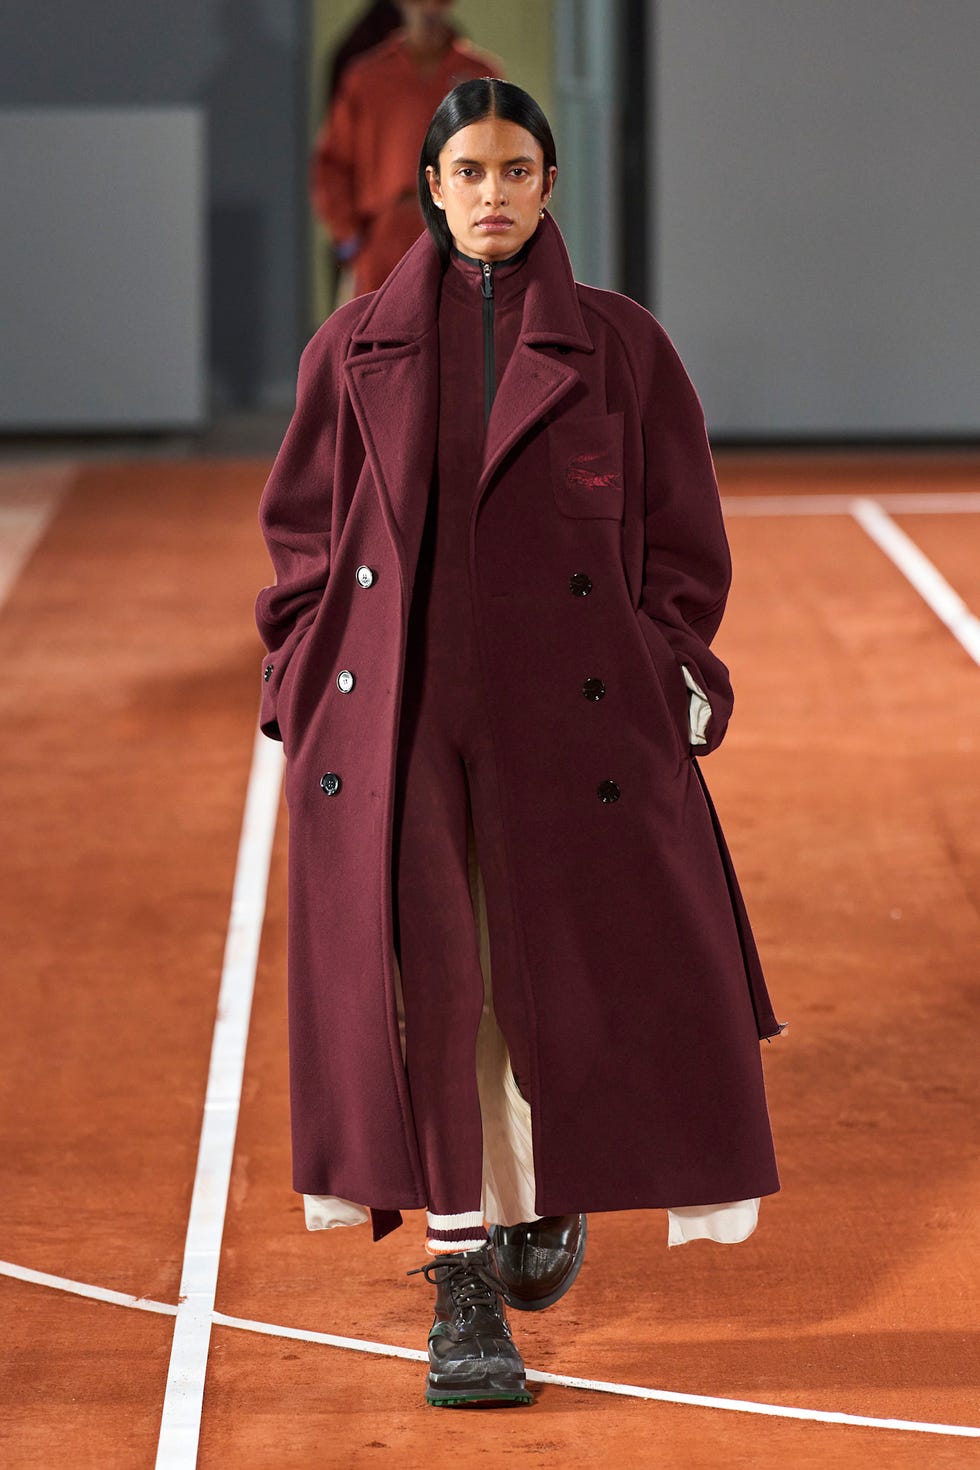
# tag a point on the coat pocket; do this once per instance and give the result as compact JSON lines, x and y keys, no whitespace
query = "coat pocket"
{"x":586,"y":461}
{"x":286,"y":701}
{"x":670,"y":677}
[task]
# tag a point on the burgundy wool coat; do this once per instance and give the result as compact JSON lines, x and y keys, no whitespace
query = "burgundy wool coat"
{"x":596,"y":547}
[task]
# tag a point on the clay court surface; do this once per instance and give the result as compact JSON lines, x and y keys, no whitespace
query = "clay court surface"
{"x":849,"y":785}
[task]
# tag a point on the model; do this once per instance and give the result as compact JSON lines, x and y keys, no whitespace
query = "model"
{"x":500,"y":562}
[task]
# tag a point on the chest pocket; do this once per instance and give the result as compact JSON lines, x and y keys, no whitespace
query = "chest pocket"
{"x":586,"y":458}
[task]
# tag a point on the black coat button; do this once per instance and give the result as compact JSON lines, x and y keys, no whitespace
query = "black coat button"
{"x":267,"y":673}
{"x":330,"y":783}
{"x":580,"y":584}
{"x":607,"y":791}
{"x":345,"y":681}
{"x":593,"y":689}
{"x":365,"y":577}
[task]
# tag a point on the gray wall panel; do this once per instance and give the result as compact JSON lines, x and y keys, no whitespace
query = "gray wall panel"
{"x":244,"y":63}
{"x":816,"y":215}
{"x":102,"y":268}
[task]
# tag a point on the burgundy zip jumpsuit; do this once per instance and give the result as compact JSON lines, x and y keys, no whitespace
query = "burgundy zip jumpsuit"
{"x":445,"y":772}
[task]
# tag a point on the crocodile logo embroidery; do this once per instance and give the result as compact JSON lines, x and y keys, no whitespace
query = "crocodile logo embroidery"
{"x":582,"y":476}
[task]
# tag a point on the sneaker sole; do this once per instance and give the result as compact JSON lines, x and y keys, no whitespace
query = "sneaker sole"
{"x":503,"y":1384}
{"x":459,"y":1398}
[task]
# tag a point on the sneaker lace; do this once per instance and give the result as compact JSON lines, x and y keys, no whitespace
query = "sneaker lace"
{"x":470,"y":1282}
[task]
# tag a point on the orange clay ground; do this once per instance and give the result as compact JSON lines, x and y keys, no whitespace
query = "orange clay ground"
{"x":849,"y":785}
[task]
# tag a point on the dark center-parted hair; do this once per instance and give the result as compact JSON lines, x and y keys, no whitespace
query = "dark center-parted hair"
{"x":471,"y":102}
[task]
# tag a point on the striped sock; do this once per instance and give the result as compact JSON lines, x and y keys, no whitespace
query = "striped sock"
{"x":445,"y":1233}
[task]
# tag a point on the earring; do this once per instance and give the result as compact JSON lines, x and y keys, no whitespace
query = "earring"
{"x":438,"y":204}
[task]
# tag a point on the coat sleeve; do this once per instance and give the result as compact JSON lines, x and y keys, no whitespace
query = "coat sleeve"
{"x":294,"y":516}
{"x":687,"y":565}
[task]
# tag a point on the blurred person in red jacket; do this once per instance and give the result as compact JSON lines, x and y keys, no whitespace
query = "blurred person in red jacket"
{"x":375,"y":25}
{"x":363,"y":169}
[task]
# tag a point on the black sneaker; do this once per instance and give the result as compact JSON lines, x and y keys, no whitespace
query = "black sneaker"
{"x":538,"y":1261}
{"x":472,"y":1357}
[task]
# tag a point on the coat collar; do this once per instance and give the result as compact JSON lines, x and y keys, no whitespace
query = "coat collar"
{"x":397,"y":378}
{"x":405,"y":308}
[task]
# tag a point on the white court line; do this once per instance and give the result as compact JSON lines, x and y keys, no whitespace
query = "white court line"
{"x":560,"y":1380}
{"x":900,"y":502}
{"x":181,"y":1419}
{"x":25,"y":513}
{"x":82,"y":1288}
{"x":930,"y":584}
{"x":624,"y":1390}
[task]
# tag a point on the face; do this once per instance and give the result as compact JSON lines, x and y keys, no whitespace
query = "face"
{"x":428,"y":19}
{"x":492,"y":184}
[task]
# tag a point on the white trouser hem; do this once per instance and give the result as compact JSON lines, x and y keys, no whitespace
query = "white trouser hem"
{"x":326,"y":1212}
{"x":727,"y":1224}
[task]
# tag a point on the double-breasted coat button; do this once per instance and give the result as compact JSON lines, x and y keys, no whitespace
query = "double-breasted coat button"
{"x":330,"y":783}
{"x":580,"y":584}
{"x":345,"y":681}
{"x":267,"y":673}
{"x":607,"y":791}
{"x":593,"y":689}
{"x":365,"y":577}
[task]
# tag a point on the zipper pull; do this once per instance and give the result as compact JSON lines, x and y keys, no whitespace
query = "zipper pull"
{"x":486,"y":285}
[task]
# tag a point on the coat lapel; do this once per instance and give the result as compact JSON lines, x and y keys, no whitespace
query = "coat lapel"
{"x":393,"y":373}
{"x":393,"y":379}
{"x":395,"y":392}
{"x":532,"y":384}
{"x":534,"y":380}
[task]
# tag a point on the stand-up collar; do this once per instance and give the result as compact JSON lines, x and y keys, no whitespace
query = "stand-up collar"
{"x":464,"y":279}
{"x":406,"y":306}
